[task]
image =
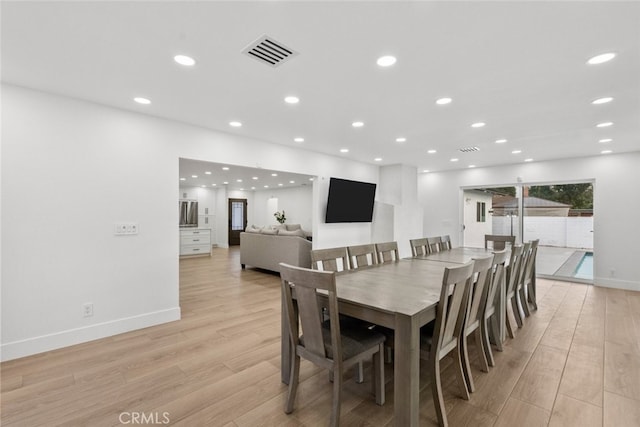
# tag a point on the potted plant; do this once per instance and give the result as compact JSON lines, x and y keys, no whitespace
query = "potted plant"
{"x":280,"y":217}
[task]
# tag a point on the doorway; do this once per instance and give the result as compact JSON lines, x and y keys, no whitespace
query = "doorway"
{"x":237,"y":220}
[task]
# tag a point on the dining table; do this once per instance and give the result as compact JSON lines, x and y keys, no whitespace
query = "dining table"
{"x":402,"y":296}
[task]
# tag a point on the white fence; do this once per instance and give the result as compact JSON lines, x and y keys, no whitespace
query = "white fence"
{"x":563,"y":232}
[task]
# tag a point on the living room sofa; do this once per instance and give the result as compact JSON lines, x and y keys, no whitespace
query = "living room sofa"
{"x":268,"y":250}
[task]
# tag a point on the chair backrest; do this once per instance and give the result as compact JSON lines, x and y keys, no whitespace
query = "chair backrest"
{"x":434,"y":243}
{"x":333,"y":259}
{"x":445,"y":243}
{"x":513,"y":269}
{"x":451,"y":308}
{"x":530,"y":267}
{"x":362,"y":255}
{"x":478,"y":293}
{"x":305,"y":283}
{"x":524,"y":262}
{"x":498,"y":274}
{"x":419,"y":246}
{"x":387,"y":252}
{"x":499,"y":242}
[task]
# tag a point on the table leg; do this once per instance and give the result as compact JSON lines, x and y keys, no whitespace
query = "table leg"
{"x":406,"y":376}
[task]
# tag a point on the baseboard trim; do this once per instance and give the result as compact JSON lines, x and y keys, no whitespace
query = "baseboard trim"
{"x":617,"y":284}
{"x":35,"y":345}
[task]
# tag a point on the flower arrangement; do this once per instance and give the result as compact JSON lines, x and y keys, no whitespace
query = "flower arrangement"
{"x":280,"y":217}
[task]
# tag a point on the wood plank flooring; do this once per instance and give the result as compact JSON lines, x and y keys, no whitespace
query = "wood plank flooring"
{"x":576,"y":362}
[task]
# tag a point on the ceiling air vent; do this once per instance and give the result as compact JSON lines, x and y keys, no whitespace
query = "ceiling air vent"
{"x":468,"y":149}
{"x":269,"y":51}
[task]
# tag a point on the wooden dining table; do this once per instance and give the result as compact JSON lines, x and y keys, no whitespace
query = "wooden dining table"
{"x":402,"y":296}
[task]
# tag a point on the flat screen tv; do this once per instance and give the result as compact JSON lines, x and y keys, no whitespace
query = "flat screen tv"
{"x":350,"y":201}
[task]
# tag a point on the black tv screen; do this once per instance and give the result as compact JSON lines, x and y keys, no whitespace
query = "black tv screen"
{"x":350,"y":201}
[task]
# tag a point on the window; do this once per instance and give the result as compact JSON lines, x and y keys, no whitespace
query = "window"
{"x":481,"y":212}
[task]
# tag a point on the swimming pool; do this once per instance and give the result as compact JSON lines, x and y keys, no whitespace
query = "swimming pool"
{"x":584,"y":270}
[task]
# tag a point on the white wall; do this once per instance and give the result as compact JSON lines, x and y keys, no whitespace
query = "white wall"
{"x":295,"y":201}
{"x":65,"y":182}
{"x":474,"y":231}
{"x":616,"y":205}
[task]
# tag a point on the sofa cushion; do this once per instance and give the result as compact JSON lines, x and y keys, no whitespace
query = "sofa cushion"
{"x":278,"y":226}
{"x":297,"y":232}
{"x":293,"y":227}
{"x":269,"y":230}
{"x":252,"y":229}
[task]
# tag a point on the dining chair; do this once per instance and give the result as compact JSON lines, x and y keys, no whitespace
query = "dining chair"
{"x":474,"y":316}
{"x":522,"y":298}
{"x":419,"y":247}
{"x":362,"y":255}
{"x":434,"y":244}
{"x":529,"y":282}
{"x":445,"y":243}
{"x":498,"y":241}
{"x":333,"y":259}
{"x":387,"y":252}
{"x":442,"y":337}
{"x":513,"y":275}
{"x":490,"y":320}
{"x":325,"y":344}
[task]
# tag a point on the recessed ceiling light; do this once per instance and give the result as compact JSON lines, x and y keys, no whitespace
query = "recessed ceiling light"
{"x":401,"y":139}
{"x":194,"y":176}
{"x":280,"y":185}
{"x":310,"y":179}
{"x":357,"y":124}
{"x":377,"y":159}
{"x":604,"y":125}
{"x":225,"y":168}
{"x":425,"y":171}
{"x":500,"y":141}
{"x":274,"y":174}
{"x":143,"y":101}
{"x":213,"y":185}
{"x":516,"y":152}
{"x":207,"y":173}
{"x":255,"y":177}
{"x":183,"y":179}
{"x":298,"y":139}
{"x":454,"y":160}
{"x":432,"y":151}
{"x":242,"y":189}
{"x":604,"y":100}
{"x":238,"y":180}
{"x":605,"y":140}
{"x":226,"y":183}
{"x":344,"y":150}
{"x":253,"y":188}
{"x":528,"y":160}
{"x":599,"y":59}
{"x":472,"y":166}
{"x":386,"y":61}
{"x":292,"y":182}
{"x":292,"y":100}
{"x":184,"y":60}
{"x":235,"y":124}
{"x":266,"y":186}
{"x":478,"y":125}
{"x":443,"y":101}
{"x":606,"y":152}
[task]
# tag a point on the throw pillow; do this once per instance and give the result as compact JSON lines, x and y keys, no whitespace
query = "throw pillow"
{"x":269,"y":230}
{"x":297,"y":232}
{"x":292,"y":227}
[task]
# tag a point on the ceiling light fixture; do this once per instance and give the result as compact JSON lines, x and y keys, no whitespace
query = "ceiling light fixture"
{"x":604,"y":100}
{"x":425,"y":171}
{"x":185,"y":60}
{"x":386,"y":61}
{"x":207,"y":173}
{"x":274,"y":174}
{"x":292,"y":100}
{"x":194,"y":176}
{"x":226,"y":183}
{"x":454,"y":160}
{"x":254,"y":178}
{"x":605,"y":140}
{"x":478,"y":125}
{"x":298,"y":139}
{"x":344,"y":150}
{"x":516,"y":152}
{"x":472,"y":166}
{"x":606,"y":152}
{"x":225,"y":168}
{"x":444,"y":101}
{"x":213,"y":185}
{"x":604,"y":125}
{"x":500,"y":141}
{"x":292,"y":182}
{"x":432,"y":151}
{"x":235,"y":124}
{"x":238,"y":180}
{"x":377,"y":159}
{"x":602,"y":58}
{"x":357,"y":124}
{"x":528,"y":160}
{"x":401,"y":139}
{"x":143,"y":101}
{"x":183,"y":179}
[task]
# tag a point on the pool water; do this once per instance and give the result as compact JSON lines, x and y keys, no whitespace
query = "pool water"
{"x":585,"y":268}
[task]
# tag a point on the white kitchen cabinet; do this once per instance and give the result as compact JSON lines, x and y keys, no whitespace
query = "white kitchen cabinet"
{"x":195,"y":241}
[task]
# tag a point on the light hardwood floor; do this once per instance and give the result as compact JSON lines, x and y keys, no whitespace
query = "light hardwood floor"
{"x":576,"y":362}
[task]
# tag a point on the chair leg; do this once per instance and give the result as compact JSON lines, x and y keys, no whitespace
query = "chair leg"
{"x":523,"y":301}
{"x":436,"y":390}
{"x":484,"y":327}
{"x":459,"y":368}
{"x":508,"y":322}
{"x":378,"y":375}
{"x":495,"y":332}
{"x":335,"y":405}
{"x":532,"y":295}
{"x":293,"y":384}
{"x":359,"y":372}
{"x":515,"y":302}
{"x":484,"y":364}
{"x":463,"y":348}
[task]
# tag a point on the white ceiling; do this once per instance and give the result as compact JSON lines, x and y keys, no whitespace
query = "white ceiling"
{"x":518,"y":66}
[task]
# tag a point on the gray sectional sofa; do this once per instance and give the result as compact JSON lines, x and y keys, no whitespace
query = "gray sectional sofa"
{"x":267,"y":249}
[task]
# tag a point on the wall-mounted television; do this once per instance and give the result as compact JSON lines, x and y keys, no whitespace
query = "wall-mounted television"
{"x":350,"y":201}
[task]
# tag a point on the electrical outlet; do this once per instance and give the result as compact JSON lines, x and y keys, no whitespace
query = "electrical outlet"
{"x":87,"y":309}
{"x":126,"y":228}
